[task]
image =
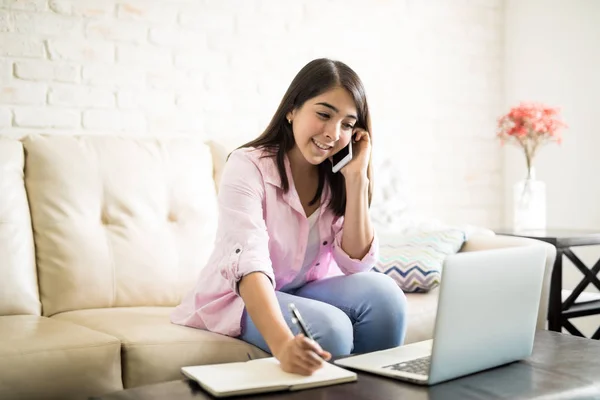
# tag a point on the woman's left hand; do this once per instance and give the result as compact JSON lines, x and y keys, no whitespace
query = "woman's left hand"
{"x":361,"y":153}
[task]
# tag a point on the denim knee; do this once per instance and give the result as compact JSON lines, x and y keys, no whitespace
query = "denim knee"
{"x":334,"y":332}
{"x":387,"y":292}
{"x":388,"y":303}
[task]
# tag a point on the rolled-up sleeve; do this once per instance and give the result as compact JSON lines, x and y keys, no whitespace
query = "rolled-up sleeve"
{"x":347,"y":264}
{"x":242,"y":236}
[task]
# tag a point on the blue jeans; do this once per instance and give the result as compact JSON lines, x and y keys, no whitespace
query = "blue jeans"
{"x":356,"y":313}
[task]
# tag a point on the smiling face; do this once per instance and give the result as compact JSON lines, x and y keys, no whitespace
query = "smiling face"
{"x":323,"y":125}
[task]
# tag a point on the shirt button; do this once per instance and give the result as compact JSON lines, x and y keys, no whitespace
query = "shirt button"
{"x":237,"y":251}
{"x":317,"y":264}
{"x":325,"y":243}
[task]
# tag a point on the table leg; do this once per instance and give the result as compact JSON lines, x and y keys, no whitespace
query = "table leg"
{"x":555,"y":301}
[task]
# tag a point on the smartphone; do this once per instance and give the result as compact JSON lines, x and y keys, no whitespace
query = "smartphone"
{"x":342,"y":157}
{"x":299,"y":322}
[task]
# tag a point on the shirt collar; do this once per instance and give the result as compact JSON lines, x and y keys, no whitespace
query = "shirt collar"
{"x":271,"y":172}
{"x":272,"y":177}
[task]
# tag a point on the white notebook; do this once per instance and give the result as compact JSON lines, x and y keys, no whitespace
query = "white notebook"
{"x":260,"y":376}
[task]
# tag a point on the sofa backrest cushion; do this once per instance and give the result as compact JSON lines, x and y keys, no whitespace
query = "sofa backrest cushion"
{"x":18,"y":279}
{"x":119,"y":221}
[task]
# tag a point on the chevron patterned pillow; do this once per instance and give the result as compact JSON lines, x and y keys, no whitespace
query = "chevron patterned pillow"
{"x":415,"y":260}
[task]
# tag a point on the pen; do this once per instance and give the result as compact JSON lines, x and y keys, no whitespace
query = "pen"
{"x":301,"y":324}
{"x":299,"y":321}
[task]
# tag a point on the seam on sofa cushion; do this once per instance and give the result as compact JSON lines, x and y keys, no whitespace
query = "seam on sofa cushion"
{"x":109,"y":244}
{"x":60,"y":349}
{"x":127,"y":344}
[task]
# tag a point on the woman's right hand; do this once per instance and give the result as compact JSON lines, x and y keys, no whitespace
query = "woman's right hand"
{"x":301,"y":355}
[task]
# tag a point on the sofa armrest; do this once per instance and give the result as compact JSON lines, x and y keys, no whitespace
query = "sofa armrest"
{"x":485,"y":242}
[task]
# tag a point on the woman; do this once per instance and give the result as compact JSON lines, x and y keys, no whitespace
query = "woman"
{"x":292,"y":231}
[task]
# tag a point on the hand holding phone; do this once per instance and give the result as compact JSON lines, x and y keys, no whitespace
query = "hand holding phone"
{"x":358,"y":151}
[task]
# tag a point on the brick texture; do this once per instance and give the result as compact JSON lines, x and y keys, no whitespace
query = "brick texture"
{"x":47,"y":71}
{"x":5,"y":117}
{"x":432,"y":70}
{"x":46,"y":117}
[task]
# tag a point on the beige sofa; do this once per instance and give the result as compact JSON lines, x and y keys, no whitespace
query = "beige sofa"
{"x":99,"y":238}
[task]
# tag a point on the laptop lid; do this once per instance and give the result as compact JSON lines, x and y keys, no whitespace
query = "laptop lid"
{"x":487,"y":310}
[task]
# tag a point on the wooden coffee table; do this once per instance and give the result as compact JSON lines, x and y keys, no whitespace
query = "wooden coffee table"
{"x":561,"y":366}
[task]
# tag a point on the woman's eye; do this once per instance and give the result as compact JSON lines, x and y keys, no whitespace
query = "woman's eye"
{"x":348,"y":126}
{"x":323,"y":115}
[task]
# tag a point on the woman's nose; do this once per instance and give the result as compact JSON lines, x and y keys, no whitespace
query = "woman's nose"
{"x":333,"y":132}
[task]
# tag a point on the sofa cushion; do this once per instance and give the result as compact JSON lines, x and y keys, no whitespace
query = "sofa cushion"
{"x":41,"y":358}
{"x":422,"y":310}
{"x":18,"y":279}
{"x":154,"y":349}
{"x":119,"y":221}
{"x":415,"y":260}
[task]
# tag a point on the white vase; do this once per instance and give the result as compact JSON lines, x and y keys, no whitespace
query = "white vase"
{"x":529,"y":203}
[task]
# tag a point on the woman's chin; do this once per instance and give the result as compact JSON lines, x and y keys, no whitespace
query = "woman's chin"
{"x":316,"y":159}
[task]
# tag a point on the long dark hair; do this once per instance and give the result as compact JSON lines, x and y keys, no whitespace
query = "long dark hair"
{"x":315,"y":78}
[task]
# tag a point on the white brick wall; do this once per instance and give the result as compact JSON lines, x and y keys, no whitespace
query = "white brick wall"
{"x":85,"y":97}
{"x":20,"y":92}
{"x":47,"y":71}
{"x":21,"y":46}
{"x":83,"y":8}
{"x":432,"y":68}
{"x":43,"y":117}
{"x":116,"y":120}
{"x":5,"y":117}
{"x":6,"y":69}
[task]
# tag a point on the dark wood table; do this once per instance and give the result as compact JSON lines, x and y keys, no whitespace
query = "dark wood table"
{"x":561,"y":367}
{"x":560,"y":312}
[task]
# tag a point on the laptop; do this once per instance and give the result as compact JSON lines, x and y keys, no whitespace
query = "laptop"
{"x":486,"y":317}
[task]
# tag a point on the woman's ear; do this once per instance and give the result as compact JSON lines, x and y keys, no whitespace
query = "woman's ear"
{"x":290,"y":116}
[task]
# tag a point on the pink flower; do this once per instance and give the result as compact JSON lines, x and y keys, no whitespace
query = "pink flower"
{"x":530,"y":125}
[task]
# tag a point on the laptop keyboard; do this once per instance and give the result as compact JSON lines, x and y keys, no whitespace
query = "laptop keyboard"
{"x":419,"y":366}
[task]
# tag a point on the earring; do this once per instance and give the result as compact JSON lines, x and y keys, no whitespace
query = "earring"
{"x":289,"y":121}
